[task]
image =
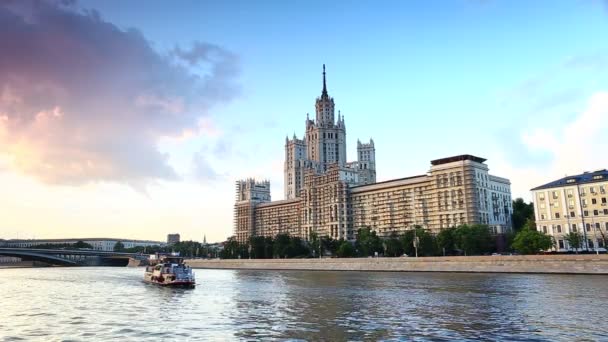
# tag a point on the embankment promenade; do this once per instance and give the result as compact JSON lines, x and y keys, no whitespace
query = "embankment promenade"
{"x":564,"y":264}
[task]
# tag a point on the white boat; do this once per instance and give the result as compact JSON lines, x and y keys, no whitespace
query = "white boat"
{"x":169,"y":271}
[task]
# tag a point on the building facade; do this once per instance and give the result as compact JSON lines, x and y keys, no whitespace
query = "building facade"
{"x":574,"y":204}
{"x":100,"y":244}
{"x":327,"y":195}
{"x":173,"y":239}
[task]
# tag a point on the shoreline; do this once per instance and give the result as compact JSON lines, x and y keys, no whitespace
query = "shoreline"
{"x":527,"y":264}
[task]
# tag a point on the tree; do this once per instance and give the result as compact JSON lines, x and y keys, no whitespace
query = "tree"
{"x":330,"y":245}
{"x":393,"y":246}
{"x":407,"y":242}
{"x":531,"y":241}
{"x":522,"y":212}
{"x":82,"y":244}
{"x":473,"y":239}
{"x":119,"y":247}
{"x":281,"y":246}
{"x":575,"y":240}
{"x":258,"y":247}
{"x":315,"y":244}
{"x":445,"y":240}
{"x":368,"y":243}
{"x":345,"y":250}
{"x":426,"y":242}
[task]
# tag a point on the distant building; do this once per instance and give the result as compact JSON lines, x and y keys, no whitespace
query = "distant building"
{"x":332,"y":197}
{"x":172,"y":239}
{"x":100,"y":244}
{"x":574,"y":204}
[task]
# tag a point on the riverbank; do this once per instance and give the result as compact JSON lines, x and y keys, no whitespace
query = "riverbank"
{"x":564,"y":264}
{"x":20,"y":264}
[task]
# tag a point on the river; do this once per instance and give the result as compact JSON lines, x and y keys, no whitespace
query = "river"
{"x":99,"y":304}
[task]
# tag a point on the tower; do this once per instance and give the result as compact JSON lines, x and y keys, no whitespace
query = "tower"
{"x":293,"y":170}
{"x":366,"y":156}
{"x":325,"y":139}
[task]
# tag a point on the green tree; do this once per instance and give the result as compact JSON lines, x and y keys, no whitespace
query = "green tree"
{"x":393,"y":245}
{"x":522,"y":212}
{"x":119,"y":247}
{"x":82,"y":244}
{"x":427,"y":245}
{"x":446,"y":241}
{"x":281,"y":246}
{"x":258,"y":247}
{"x":329,"y":245}
{"x":407,"y":242}
{"x":231,"y":249}
{"x":473,"y":239}
{"x":368,"y":243}
{"x":575,"y":240}
{"x":345,"y":250}
{"x":315,"y":244}
{"x":528,"y":241}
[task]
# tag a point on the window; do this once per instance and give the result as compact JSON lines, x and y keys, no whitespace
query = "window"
{"x":592,"y":190}
{"x":605,"y":211}
{"x":569,"y":192}
{"x":571,"y":180}
{"x":593,"y":201}
{"x":542,"y":205}
{"x":573,"y":228}
{"x":590,"y":243}
{"x":595,"y":212}
{"x":559,"y":228}
{"x":571,"y":203}
{"x":556,"y":215}
{"x":542,"y":216}
{"x":572,"y":214}
{"x":588,"y":227}
{"x":603,"y":200}
{"x":561,"y":244}
{"x":554,"y":194}
{"x":545,"y":229}
{"x":541,"y":197}
{"x":586,"y":213}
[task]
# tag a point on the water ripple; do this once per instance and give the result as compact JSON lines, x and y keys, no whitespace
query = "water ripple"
{"x":113,"y":303}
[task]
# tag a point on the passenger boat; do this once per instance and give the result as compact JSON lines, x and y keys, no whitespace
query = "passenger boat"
{"x":169,"y":271}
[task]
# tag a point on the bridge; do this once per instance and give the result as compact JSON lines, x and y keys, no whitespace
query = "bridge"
{"x":72,"y":257}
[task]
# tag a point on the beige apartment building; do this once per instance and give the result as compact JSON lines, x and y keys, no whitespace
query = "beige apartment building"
{"x":332,"y":197}
{"x":574,"y":204}
{"x":456,"y":190}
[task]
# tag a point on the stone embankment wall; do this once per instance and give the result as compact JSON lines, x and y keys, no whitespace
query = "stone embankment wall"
{"x":571,"y":264}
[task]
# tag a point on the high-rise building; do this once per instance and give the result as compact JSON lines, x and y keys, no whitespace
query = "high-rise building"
{"x":172,"y":239}
{"x":574,"y":204}
{"x":332,"y":197}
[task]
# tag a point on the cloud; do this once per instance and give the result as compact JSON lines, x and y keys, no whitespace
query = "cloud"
{"x":84,"y":101}
{"x":202,"y":169}
{"x":573,"y":147}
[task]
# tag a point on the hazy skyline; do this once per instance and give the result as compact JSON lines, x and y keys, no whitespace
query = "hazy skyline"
{"x":134,"y":119}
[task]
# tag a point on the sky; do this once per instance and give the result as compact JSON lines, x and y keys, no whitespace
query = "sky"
{"x":134,"y":119}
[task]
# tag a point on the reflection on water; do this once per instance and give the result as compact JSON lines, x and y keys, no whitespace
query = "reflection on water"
{"x":113,"y":303}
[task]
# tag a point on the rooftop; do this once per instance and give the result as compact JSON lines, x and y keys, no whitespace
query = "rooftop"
{"x":461,"y":157}
{"x":585,"y":177}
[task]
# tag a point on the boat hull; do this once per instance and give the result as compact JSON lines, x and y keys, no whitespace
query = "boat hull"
{"x":150,"y":279}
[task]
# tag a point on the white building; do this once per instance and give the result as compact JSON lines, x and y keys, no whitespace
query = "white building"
{"x":576,"y":203}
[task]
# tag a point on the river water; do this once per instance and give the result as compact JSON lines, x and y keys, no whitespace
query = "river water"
{"x":100,"y":304}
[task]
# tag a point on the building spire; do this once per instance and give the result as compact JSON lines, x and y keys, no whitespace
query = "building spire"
{"x":324,"y":94}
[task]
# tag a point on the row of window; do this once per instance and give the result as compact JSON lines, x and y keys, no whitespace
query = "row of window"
{"x":596,"y":212}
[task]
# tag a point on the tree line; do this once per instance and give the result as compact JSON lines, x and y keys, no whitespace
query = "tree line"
{"x":464,"y":239}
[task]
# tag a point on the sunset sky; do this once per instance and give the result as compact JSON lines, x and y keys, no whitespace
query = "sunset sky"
{"x":134,"y":119}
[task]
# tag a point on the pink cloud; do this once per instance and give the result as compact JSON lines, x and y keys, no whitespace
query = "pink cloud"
{"x":82,"y":100}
